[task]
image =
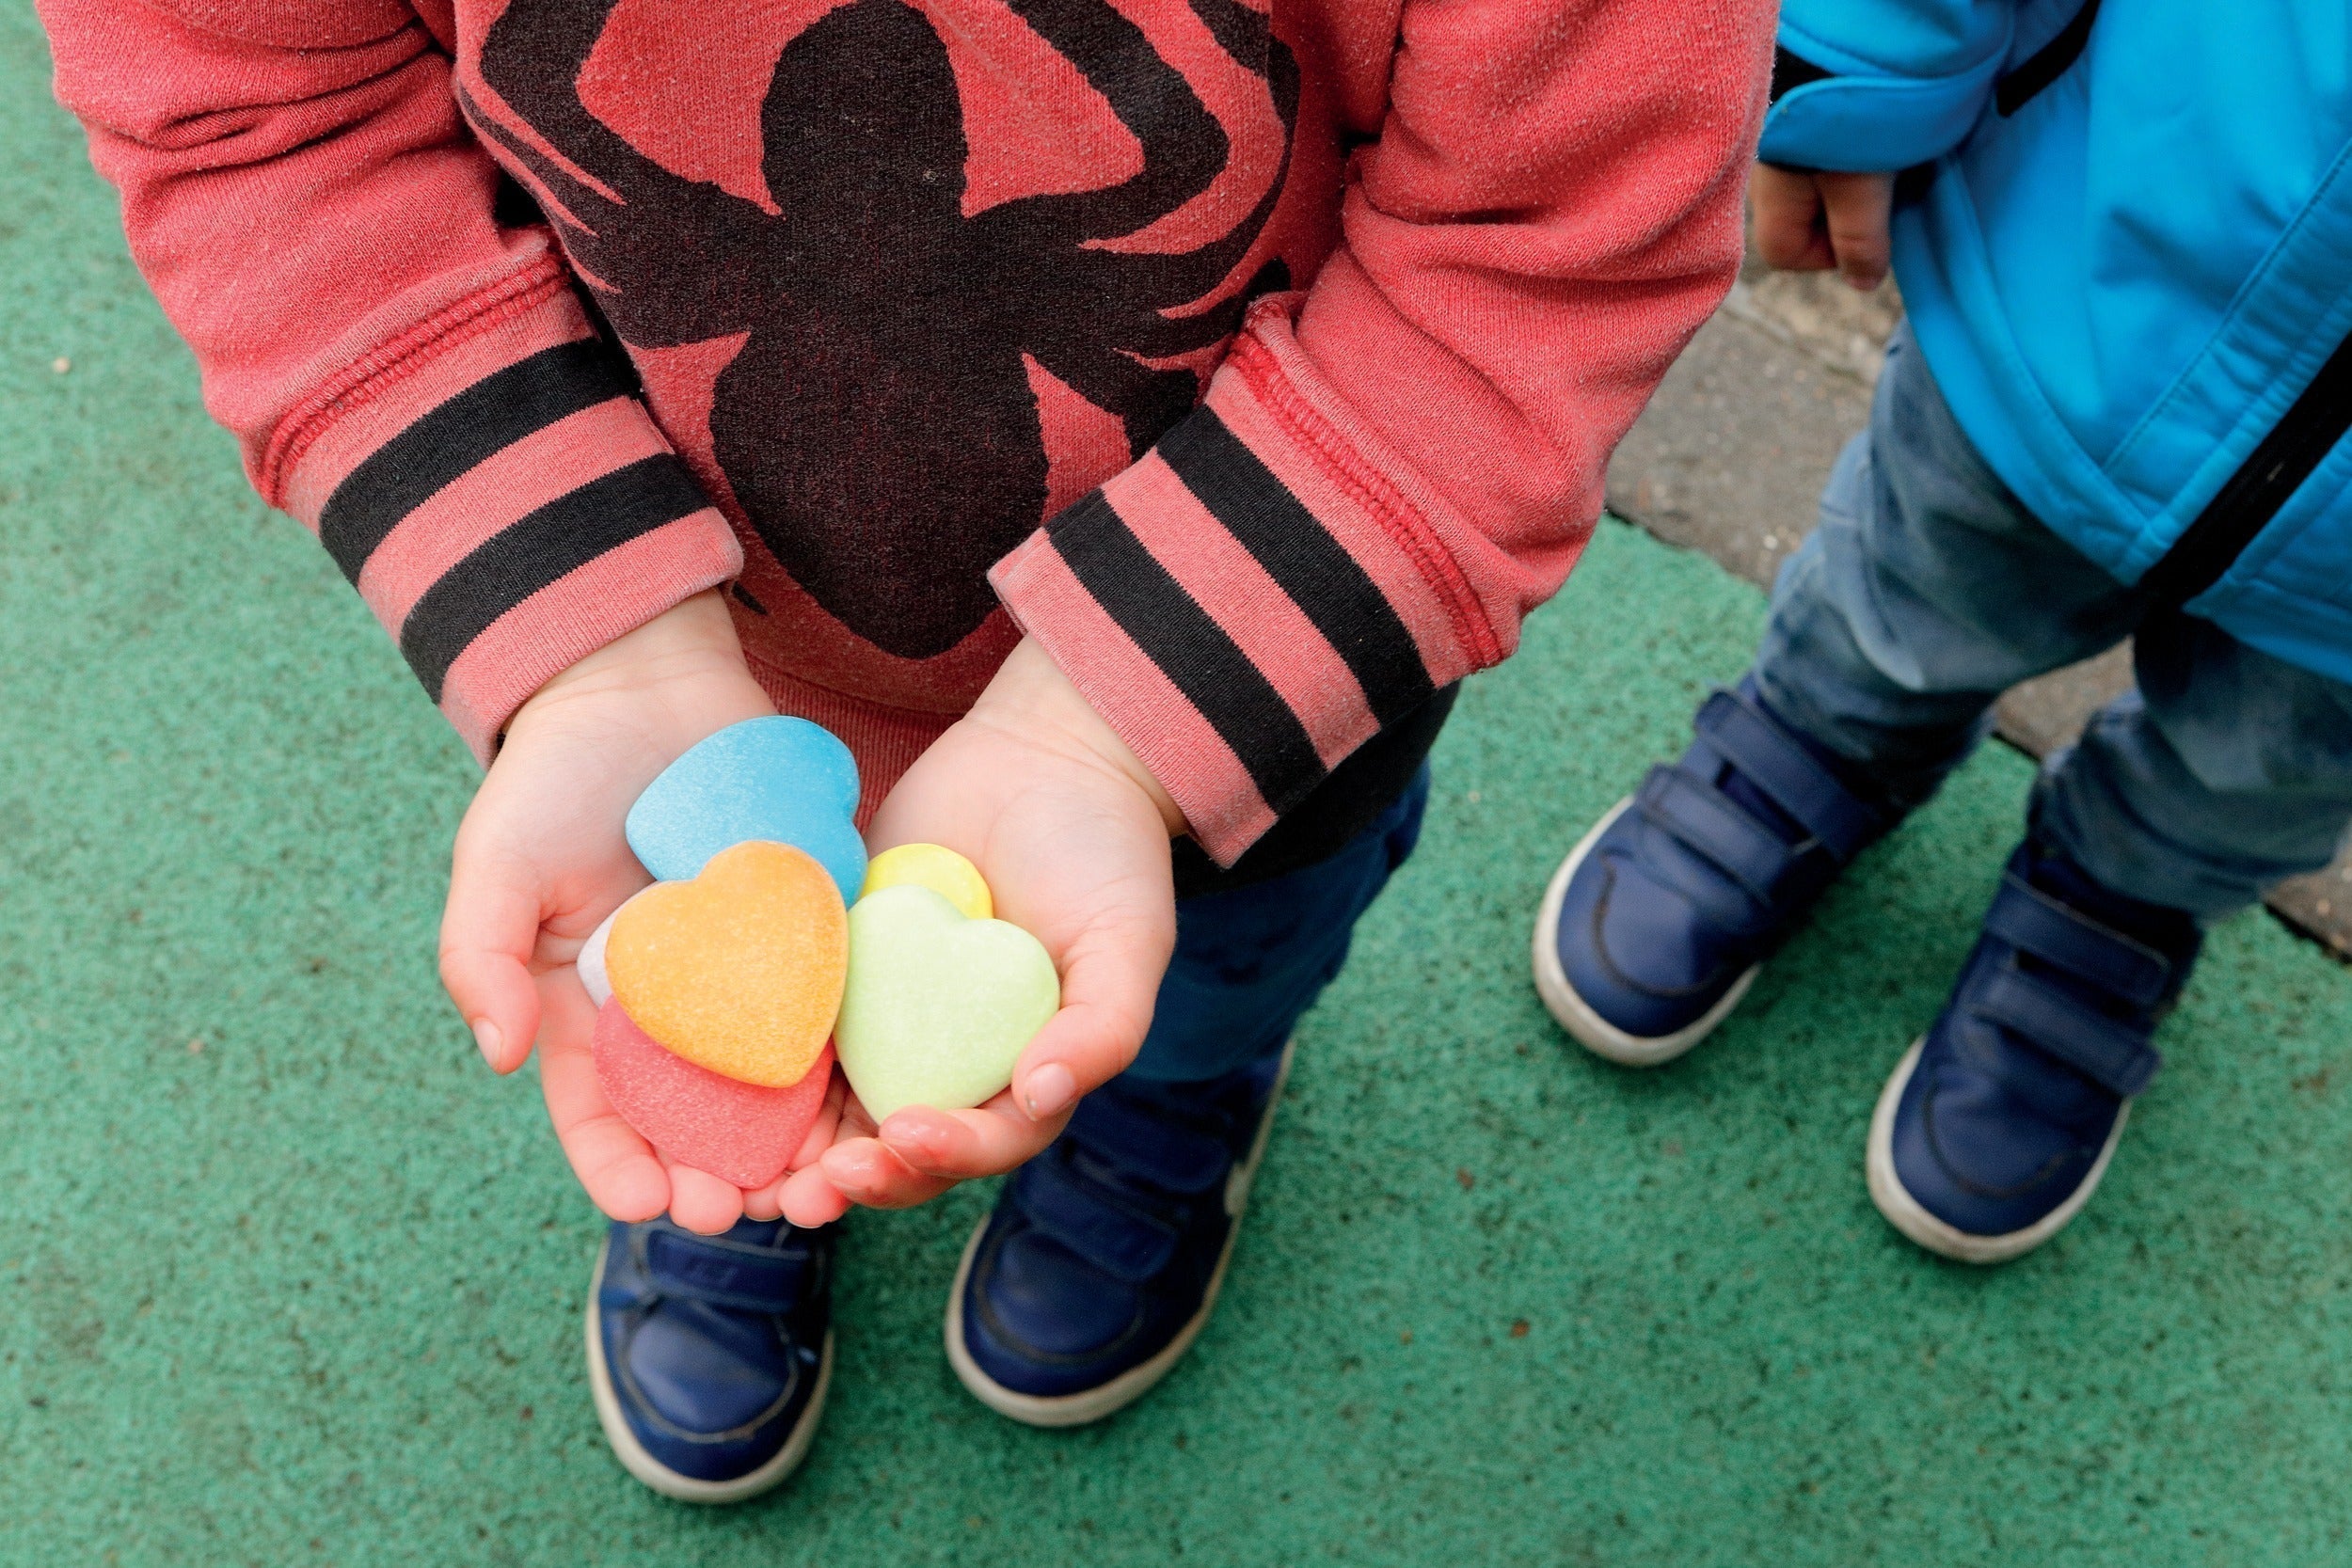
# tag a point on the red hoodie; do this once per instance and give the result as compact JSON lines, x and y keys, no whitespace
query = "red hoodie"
{"x":1263,"y":368}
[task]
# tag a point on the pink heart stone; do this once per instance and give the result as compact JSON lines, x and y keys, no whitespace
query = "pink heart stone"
{"x":738,"y":1131}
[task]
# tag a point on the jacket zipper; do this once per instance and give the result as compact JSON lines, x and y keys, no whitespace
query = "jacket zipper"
{"x":2279,"y":463}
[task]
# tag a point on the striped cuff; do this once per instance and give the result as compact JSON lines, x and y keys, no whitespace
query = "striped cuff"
{"x":1247,"y":604}
{"x":506,"y":506}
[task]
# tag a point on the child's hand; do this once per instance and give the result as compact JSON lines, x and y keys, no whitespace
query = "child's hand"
{"x":541,"y":861}
{"x":1072,"y":834}
{"x":1813,"y":220}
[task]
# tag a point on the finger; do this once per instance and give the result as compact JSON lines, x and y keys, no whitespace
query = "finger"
{"x":1110,"y":979}
{"x":701,"y":1202}
{"x":869,"y":1172}
{"x":1785,"y":206}
{"x":1081,"y":1047}
{"x":856,"y":1121}
{"x":489,"y":930}
{"x":1856,"y":208}
{"x":809,"y":1196}
{"x":826,"y":1130}
{"x":616,"y":1166}
{"x":808,"y":1199}
{"x":1109,"y":984}
{"x":964,"y":1145}
{"x":765,"y":1203}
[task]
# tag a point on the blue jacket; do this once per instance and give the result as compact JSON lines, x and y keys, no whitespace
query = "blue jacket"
{"x":2128,"y":261}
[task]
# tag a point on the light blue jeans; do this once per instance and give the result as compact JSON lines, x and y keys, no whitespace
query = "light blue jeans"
{"x":1928,"y":590}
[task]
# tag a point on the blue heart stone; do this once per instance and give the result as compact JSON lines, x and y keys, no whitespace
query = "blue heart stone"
{"x":784,"y":779}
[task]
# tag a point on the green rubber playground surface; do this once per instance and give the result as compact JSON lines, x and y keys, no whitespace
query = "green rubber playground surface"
{"x":286,"y":1278}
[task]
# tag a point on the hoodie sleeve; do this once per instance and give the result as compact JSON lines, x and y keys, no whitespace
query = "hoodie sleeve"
{"x":1393,"y":467}
{"x":410,"y":376}
{"x":1878,"y":85}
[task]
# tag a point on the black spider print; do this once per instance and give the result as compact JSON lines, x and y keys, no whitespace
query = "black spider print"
{"x":877,"y":426}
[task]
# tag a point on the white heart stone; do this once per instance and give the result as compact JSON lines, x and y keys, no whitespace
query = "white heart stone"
{"x":590,"y":963}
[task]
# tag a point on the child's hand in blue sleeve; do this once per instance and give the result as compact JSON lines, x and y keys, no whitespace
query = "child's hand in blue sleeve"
{"x":1813,"y":220}
{"x":1071,"y":832}
{"x":540,"y":861}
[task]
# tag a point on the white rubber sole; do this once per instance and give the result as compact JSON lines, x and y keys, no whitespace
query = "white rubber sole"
{"x":669,"y":1483}
{"x":1595,"y":1033}
{"x":1906,"y":1214}
{"x":1092,"y":1404}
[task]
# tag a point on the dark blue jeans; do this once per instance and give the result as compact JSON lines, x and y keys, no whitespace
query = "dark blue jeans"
{"x":1251,"y":959}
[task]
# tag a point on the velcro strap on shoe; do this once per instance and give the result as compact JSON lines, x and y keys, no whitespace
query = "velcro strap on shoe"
{"x":1751,"y":741}
{"x":1706,"y":821}
{"x":2064,"y":938}
{"x":711,"y":1269}
{"x":2108,"y":1053}
{"x":1123,"y":1242}
{"x":1167,"y":1155}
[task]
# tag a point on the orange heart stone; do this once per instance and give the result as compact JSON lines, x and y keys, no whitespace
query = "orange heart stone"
{"x":740,"y":970}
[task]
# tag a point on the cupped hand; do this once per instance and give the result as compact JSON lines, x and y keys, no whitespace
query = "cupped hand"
{"x":541,"y":859}
{"x":1813,"y":220}
{"x":1072,"y":834}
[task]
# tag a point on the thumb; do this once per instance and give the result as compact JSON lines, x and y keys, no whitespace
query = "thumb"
{"x":489,"y":930}
{"x":1110,"y":979}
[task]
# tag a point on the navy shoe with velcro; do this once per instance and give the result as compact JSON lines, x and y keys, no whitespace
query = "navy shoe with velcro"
{"x":709,"y":1355}
{"x":1102,"y":1259}
{"x":1656,"y":923}
{"x":1996,"y":1128}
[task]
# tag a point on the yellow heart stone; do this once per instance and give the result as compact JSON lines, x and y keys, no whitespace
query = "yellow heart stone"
{"x":931,"y":865}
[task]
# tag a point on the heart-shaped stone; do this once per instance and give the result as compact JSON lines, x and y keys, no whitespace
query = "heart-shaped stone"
{"x":739,"y":1133}
{"x":937,"y":1006}
{"x":740,"y":970}
{"x":936,"y":867}
{"x":590,"y":964}
{"x":784,"y":779}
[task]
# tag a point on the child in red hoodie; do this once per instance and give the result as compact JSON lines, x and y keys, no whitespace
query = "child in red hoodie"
{"x":1123,"y":421}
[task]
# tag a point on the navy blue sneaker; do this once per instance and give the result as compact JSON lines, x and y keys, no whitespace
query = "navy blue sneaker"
{"x":710,"y":1354}
{"x":1657,"y":923}
{"x":1996,"y":1128}
{"x":1101,"y":1263}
